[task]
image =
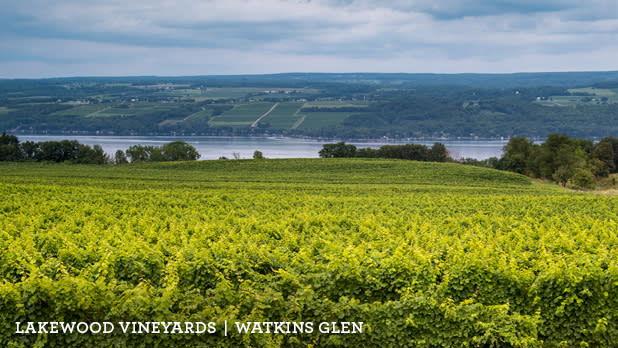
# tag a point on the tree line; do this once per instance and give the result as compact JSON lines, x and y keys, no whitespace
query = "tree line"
{"x":568,"y":161}
{"x":574,"y":162}
{"x":415,"y":152}
{"x":174,"y":151}
{"x":71,"y":151}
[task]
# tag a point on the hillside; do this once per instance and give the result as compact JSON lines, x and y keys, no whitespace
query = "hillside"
{"x":317,"y":105}
{"x":425,"y":254}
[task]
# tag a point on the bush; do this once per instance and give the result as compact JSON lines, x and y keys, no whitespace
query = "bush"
{"x":584,"y":179}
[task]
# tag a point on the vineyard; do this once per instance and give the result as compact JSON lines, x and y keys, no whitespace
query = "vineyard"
{"x":425,"y":254}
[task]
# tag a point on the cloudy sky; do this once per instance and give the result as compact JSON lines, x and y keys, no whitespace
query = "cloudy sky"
{"x":46,"y":38}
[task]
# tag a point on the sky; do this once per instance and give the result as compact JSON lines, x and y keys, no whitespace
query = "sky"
{"x":48,"y":38}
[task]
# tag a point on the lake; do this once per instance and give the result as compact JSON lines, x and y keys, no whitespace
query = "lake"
{"x":213,"y":147}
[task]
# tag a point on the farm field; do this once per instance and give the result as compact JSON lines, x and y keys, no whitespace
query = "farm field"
{"x":230,"y":93}
{"x":124,"y":109}
{"x":396,"y":106}
{"x":136,"y":109}
{"x":425,"y":254}
{"x":322,"y":119}
{"x":283,"y":116}
{"x":241,"y":114}
{"x":600,"y":92}
{"x":202,"y":115}
{"x":596,"y":96}
{"x":82,"y":110}
{"x":336,"y":104}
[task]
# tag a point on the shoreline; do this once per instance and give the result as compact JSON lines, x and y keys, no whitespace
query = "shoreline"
{"x":383,"y":139}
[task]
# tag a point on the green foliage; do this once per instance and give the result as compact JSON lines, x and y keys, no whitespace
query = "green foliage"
{"x":425,"y":254}
{"x":583,"y":178}
{"x":258,"y":155}
{"x":7,"y":139}
{"x":557,"y":152}
{"x":517,"y":155}
{"x":438,"y":153}
{"x":174,"y":151}
{"x":604,"y":152}
{"x":614,"y":143}
{"x":560,"y":158}
{"x":415,"y":152}
{"x":9,"y":148}
{"x":120,"y":157}
{"x":179,"y":151}
{"x":54,"y":151}
{"x":340,"y":149}
{"x":143,"y":153}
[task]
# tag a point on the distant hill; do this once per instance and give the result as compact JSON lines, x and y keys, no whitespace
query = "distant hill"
{"x":347,"y":105}
{"x":535,"y":79}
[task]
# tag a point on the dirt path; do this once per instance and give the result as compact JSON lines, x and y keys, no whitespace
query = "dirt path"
{"x":299,"y":122}
{"x":98,"y":111}
{"x":195,"y":113}
{"x":255,"y":123}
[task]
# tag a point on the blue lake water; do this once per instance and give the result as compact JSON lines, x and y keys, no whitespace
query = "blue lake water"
{"x":213,"y":147}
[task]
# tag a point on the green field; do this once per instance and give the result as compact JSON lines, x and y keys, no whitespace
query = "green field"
{"x":283,"y":116}
{"x":119,"y":109}
{"x":322,"y":119}
{"x":597,"y":96}
{"x":187,"y":93}
{"x":202,"y":116}
{"x":82,"y":110}
{"x":257,"y":93}
{"x":336,"y":104}
{"x":231,"y":93}
{"x":424,"y":254}
{"x":241,"y":114}
{"x":601,"y":92}
{"x":136,"y":109}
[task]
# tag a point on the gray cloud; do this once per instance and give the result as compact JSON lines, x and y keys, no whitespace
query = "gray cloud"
{"x":237,"y":36}
{"x":455,"y":9}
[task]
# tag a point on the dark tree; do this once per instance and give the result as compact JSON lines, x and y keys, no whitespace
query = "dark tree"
{"x":614,"y":143}
{"x":7,"y":139}
{"x":120,"y":157}
{"x":9,"y":148}
{"x":517,"y":154}
{"x":340,"y":149}
{"x":91,"y":155}
{"x":438,"y":153}
{"x":179,"y":151}
{"x":258,"y":155}
{"x":604,"y":153}
{"x":140,"y":153}
{"x":174,"y":151}
{"x":558,"y":151}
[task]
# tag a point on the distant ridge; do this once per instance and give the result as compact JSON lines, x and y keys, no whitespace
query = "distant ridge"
{"x":318,"y":105}
{"x":481,"y":80}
